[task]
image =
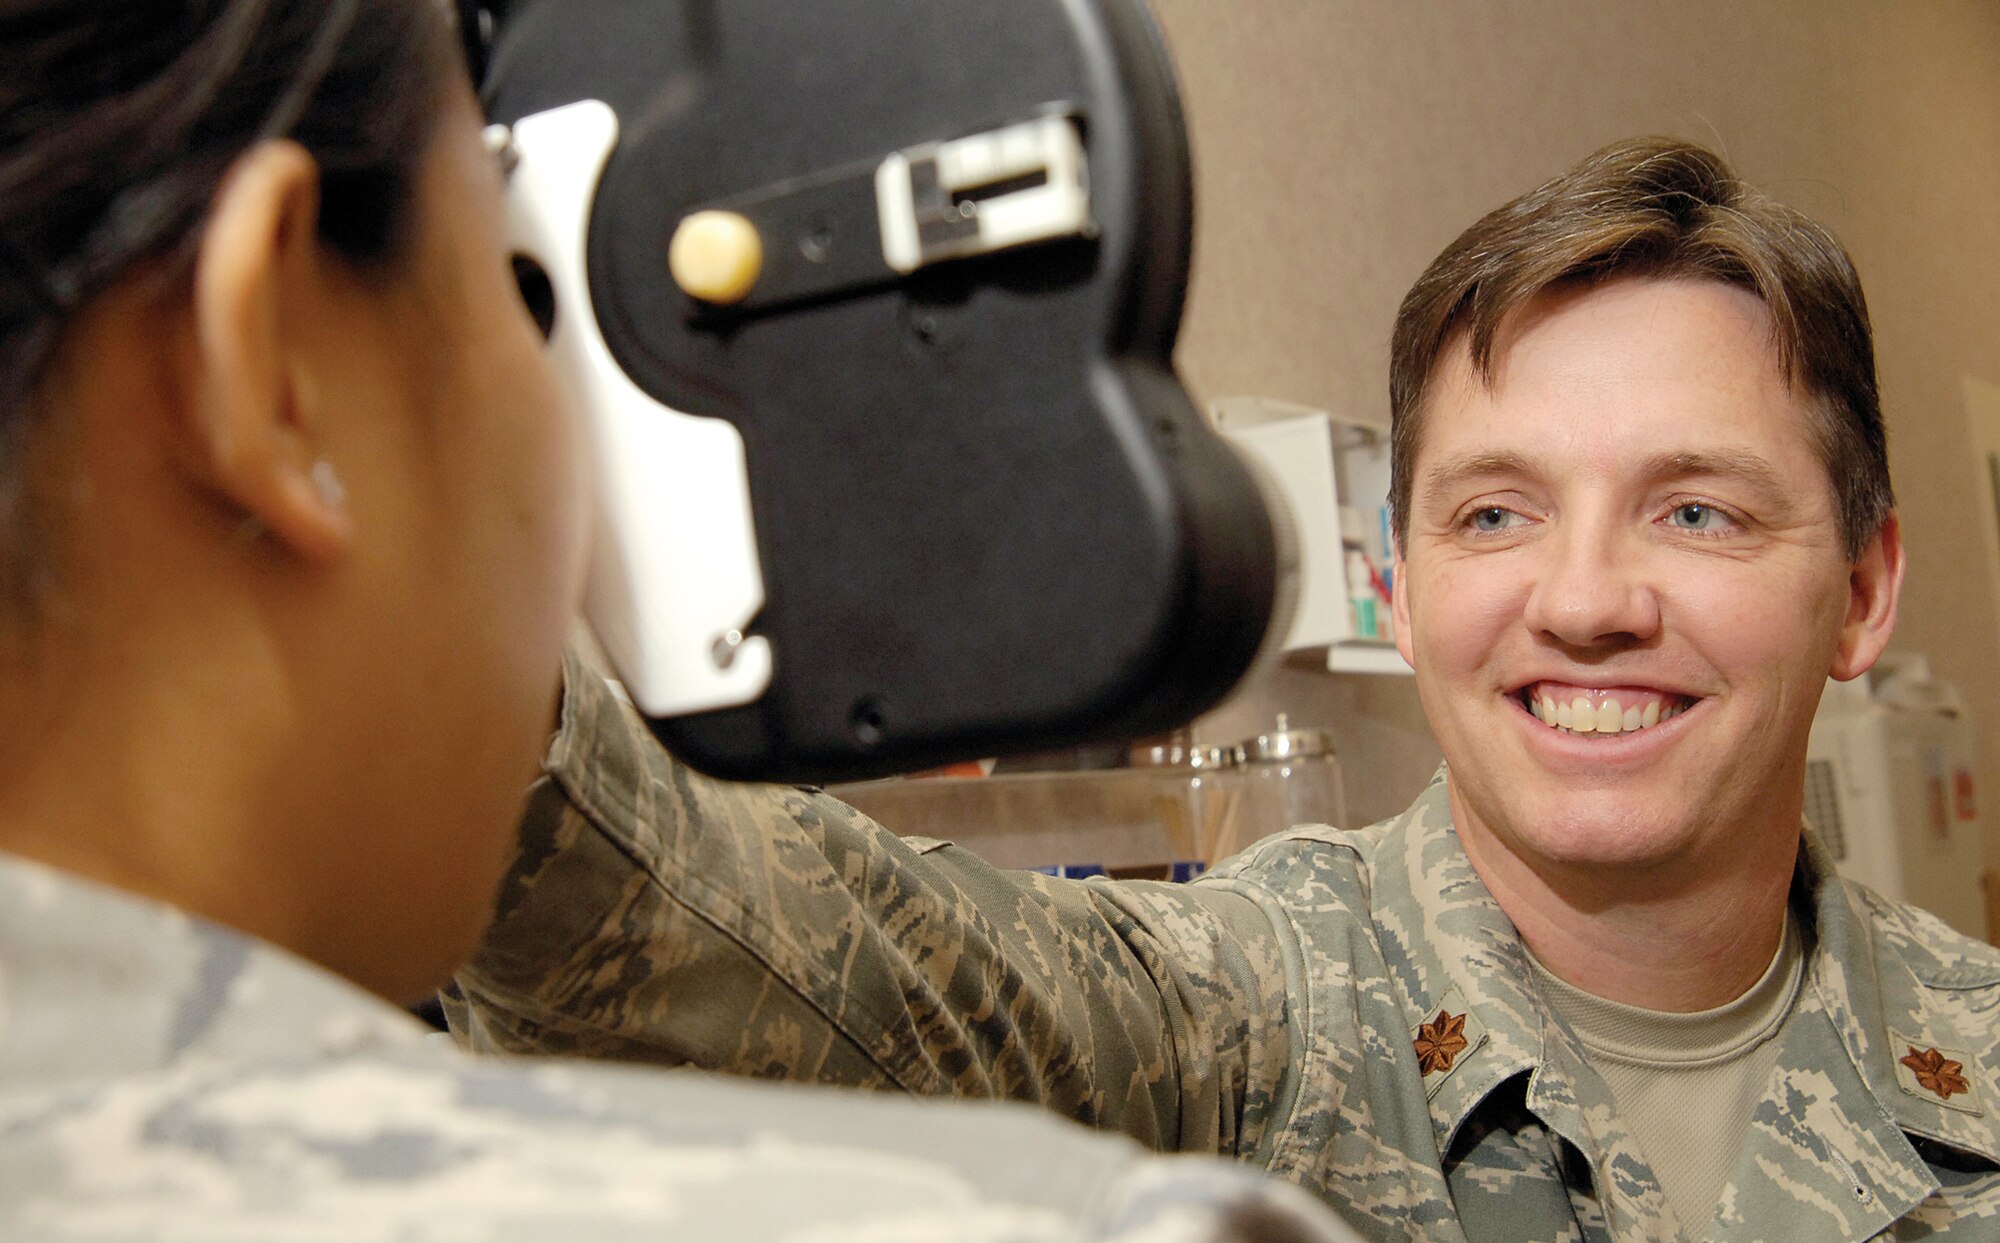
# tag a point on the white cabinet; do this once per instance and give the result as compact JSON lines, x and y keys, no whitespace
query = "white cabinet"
{"x":1335,"y":474}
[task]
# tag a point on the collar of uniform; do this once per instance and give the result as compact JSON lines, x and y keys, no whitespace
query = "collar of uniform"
{"x":603,"y":762}
{"x":1870,"y":970}
{"x":1454,"y":953}
{"x":95,"y":981}
{"x":1888,"y":978}
{"x":597,"y":776}
{"x":1461,"y":954}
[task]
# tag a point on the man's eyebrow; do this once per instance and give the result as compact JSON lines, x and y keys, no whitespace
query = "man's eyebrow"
{"x":1739,"y":465}
{"x":1452,"y":472}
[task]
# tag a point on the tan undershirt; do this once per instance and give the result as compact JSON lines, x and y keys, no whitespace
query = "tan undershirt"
{"x":1687,"y":1084}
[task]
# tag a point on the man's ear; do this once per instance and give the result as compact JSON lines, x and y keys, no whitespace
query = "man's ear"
{"x":1873,"y":587}
{"x":1399,"y":608}
{"x":254,"y":414}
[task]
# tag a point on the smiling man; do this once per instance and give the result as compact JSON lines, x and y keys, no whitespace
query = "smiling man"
{"x":1596,"y":983}
{"x":1625,"y":580}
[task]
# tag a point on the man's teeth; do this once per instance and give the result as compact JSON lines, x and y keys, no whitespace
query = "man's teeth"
{"x":1581,"y":716}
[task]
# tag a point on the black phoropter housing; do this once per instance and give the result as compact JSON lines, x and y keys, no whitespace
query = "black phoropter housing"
{"x":989,"y":517}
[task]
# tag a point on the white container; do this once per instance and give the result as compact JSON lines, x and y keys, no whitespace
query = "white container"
{"x":1889,"y":789}
{"x":1335,"y":473}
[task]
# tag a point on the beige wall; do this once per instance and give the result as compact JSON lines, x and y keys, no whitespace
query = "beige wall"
{"x":1341,"y":143}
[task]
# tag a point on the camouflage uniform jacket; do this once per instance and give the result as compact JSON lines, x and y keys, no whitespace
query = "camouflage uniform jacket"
{"x":1350,"y":1010}
{"x":167,"y":1080}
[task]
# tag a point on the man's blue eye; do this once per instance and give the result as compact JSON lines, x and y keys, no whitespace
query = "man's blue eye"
{"x":1491,"y":519}
{"x":1695,"y":517}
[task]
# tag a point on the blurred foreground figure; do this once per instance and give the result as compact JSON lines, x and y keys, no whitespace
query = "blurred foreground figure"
{"x":1596,"y":983}
{"x":291,"y":534}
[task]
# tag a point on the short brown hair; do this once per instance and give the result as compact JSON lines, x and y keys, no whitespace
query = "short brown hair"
{"x":1657,"y":207}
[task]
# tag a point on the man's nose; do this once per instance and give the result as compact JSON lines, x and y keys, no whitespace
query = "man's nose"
{"x":1592,"y":589}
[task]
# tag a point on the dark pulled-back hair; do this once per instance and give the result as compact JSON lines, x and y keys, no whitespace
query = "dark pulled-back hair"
{"x":118,"y":122}
{"x":1657,"y":207}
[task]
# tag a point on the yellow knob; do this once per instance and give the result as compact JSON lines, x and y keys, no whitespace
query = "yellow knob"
{"x":716,"y":256}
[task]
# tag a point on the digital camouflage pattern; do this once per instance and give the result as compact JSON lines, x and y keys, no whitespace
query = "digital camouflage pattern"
{"x":1350,"y":1010}
{"x":169,"y":1081}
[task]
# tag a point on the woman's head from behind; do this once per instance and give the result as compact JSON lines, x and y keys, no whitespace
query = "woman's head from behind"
{"x":290,"y":516}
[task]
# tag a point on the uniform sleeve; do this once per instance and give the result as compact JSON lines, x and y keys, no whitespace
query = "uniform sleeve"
{"x":653,"y":914}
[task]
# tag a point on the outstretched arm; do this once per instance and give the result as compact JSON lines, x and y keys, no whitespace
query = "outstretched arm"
{"x":655,"y":914}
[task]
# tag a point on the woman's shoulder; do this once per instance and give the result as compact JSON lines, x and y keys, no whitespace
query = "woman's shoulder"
{"x":426,"y":1143}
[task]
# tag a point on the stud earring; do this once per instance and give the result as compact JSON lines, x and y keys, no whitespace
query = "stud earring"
{"x":328,"y":484}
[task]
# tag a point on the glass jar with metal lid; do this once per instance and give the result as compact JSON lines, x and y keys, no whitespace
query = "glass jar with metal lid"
{"x":1294,"y":776}
{"x":1216,"y":793}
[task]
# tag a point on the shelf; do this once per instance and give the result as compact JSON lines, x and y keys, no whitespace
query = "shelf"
{"x":1366,"y":658}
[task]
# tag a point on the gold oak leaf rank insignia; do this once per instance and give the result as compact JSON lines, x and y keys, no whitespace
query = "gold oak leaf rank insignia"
{"x":1936,"y":1073}
{"x":1439,"y":1042}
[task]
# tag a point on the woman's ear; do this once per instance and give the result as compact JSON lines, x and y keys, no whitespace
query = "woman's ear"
{"x":254,"y":410}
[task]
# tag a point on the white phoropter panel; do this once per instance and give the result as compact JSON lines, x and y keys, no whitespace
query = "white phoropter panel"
{"x":675,"y":578}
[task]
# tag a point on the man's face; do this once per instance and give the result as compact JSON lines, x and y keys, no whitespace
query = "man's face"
{"x":1624,"y":583}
